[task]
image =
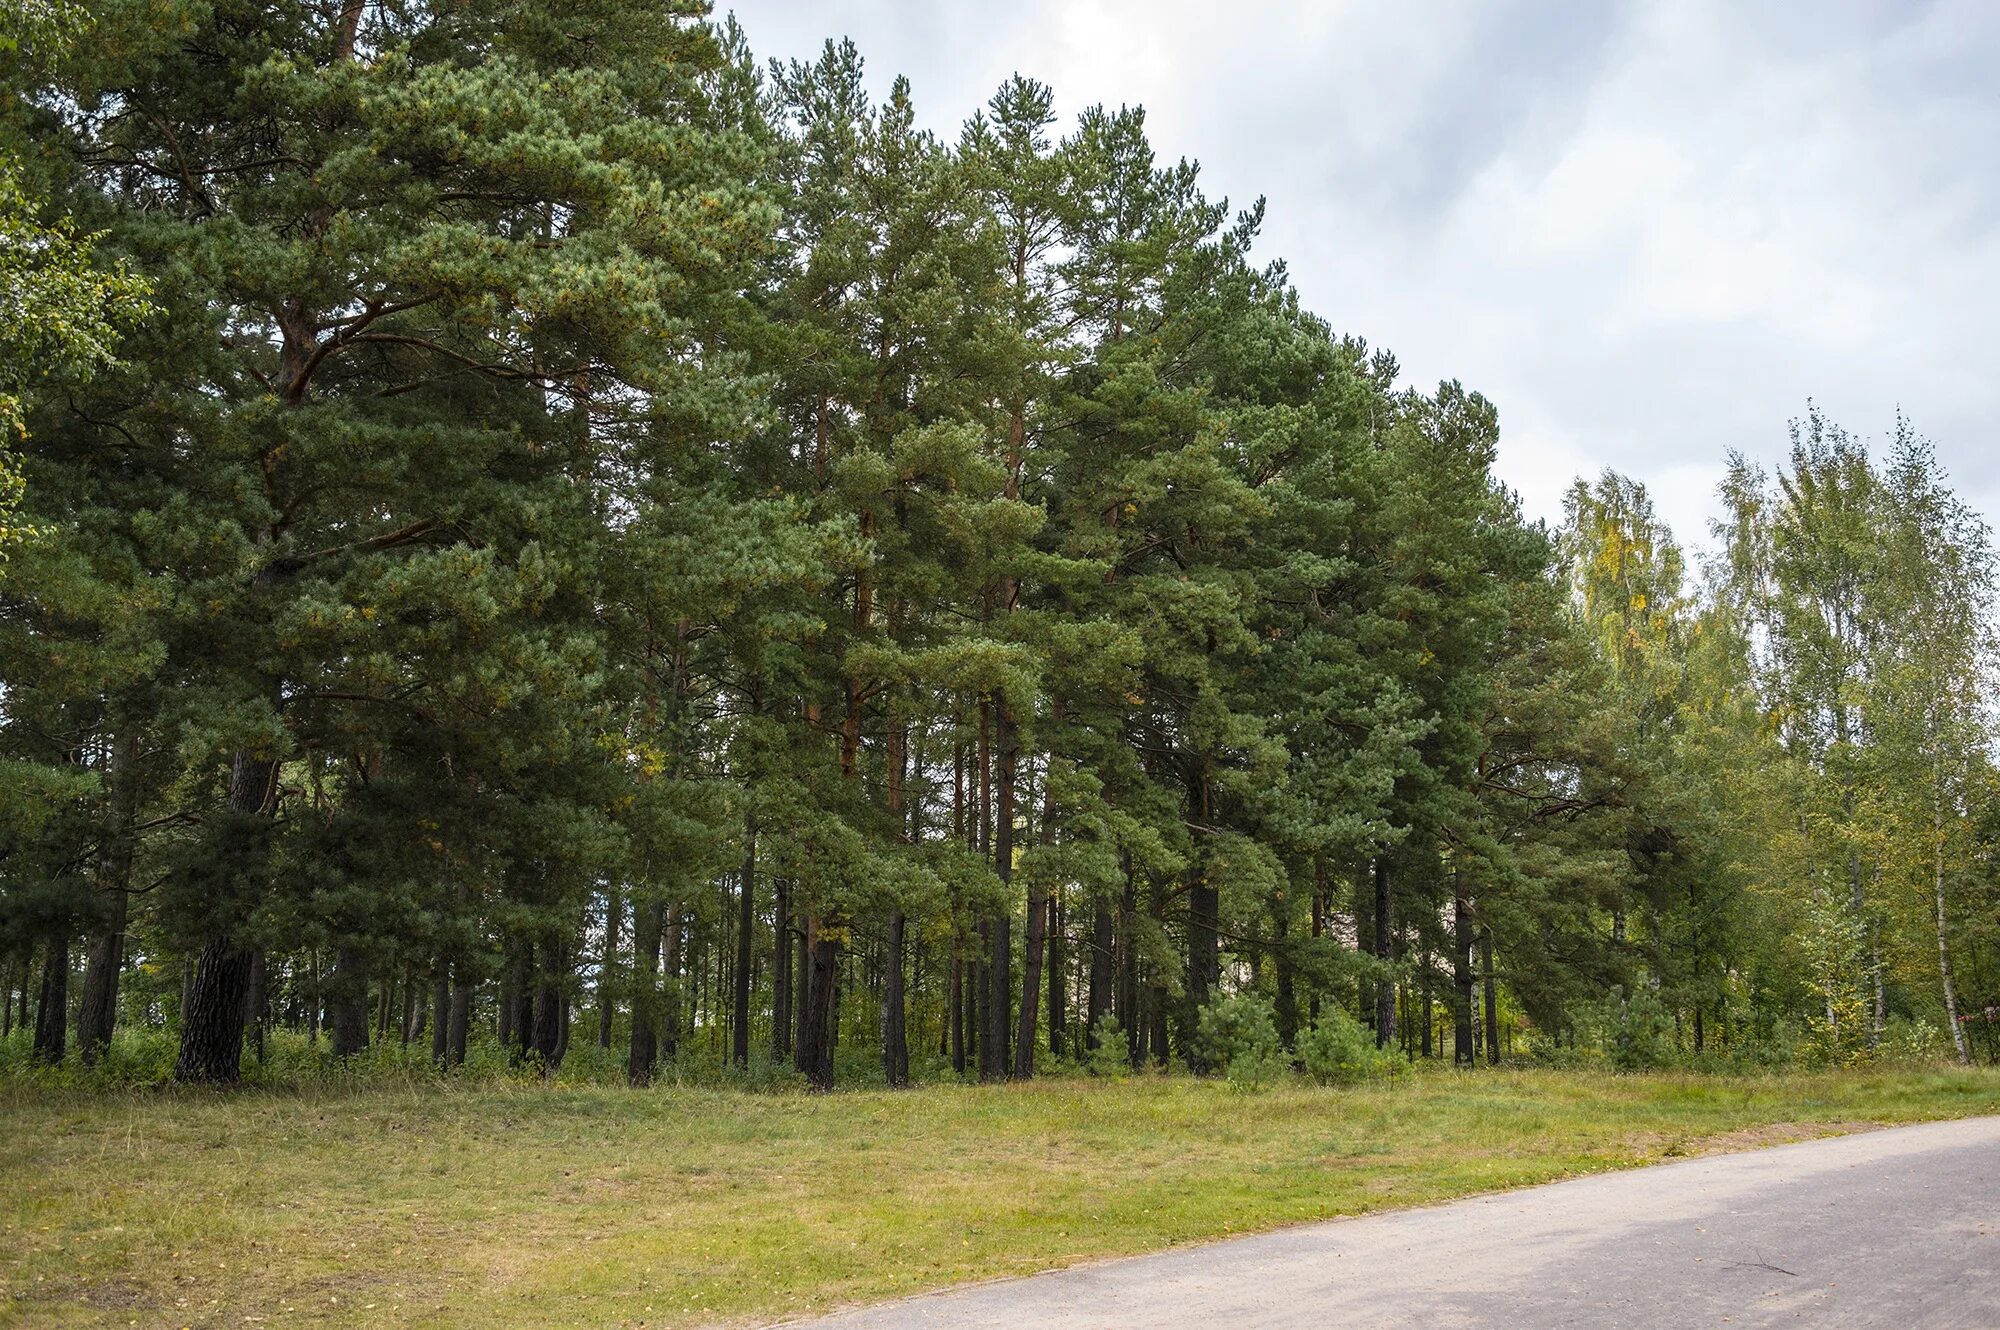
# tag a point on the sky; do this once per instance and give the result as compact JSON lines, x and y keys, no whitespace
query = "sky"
{"x":1648,"y":230}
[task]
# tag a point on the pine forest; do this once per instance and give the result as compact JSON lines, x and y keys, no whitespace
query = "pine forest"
{"x":539,"y":541}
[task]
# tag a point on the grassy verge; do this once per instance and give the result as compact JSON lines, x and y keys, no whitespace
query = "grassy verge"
{"x":524,"y":1206}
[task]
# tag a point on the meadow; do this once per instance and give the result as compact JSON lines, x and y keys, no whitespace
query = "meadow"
{"x":503,"y":1202}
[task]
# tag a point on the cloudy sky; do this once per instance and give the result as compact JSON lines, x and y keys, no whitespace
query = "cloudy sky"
{"x":1649,"y":230}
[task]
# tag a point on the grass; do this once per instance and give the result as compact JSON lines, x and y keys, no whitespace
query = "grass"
{"x":523,"y":1206}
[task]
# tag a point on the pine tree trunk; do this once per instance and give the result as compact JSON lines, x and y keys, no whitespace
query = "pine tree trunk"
{"x":348,"y":1004}
{"x":643,"y":1050}
{"x":1385,"y":951}
{"x":817,"y":1047}
{"x":441,"y":1015}
{"x":1058,"y":1018}
{"x":673,"y":966}
{"x":1098,"y":996}
{"x":1491,"y":995}
{"x":1318,"y":929}
{"x":522,"y":1019}
{"x":257,"y":1003}
{"x":957,"y":1019}
{"x":52,"y":1003}
{"x":550,"y":1003}
{"x":212,"y":1014}
{"x":503,"y":1023}
{"x":607,"y":969}
{"x":1288,"y":998}
{"x":993,"y":1059}
{"x":1204,"y":954}
{"x":781,"y":972}
{"x":416,"y":1014}
{"x":1035,"y":944}
{"x":802,"y":1037}
{"x":97,"y":1016}
{"x":1128,"y":967}
{"x":895,"y":1034}
{"x":1461,"y":979}
{"x":1430,"y":1011}
{"x":461,"y":1020}
{"x":975,"y":994}
{"x":746,"y":928}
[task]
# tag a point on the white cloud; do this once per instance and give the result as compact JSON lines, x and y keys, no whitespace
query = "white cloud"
{"x":1649,"y":231}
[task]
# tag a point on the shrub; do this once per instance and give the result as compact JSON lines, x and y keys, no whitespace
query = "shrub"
{"x":1110,"y":1058}
{"x":1339,"y":1050}
{"x":1238,"y":1035}
{"x":1542,"y":1050}
{"x":1909,"y":1041}
{"x":1635,"y":1029}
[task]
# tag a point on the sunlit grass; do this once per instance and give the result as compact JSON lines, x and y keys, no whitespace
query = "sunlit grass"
{"x":518,"y":1205}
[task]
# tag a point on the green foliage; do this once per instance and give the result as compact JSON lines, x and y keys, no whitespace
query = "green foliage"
{"x":1339,"y":1050}
{"x":1634,"y":1029}
{"x":1239,"y":1035}
{"x":1107,"y":1056}
{"x":575,"y":506}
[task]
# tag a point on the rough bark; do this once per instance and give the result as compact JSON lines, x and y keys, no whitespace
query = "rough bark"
{"x":52,"y":1002}
{"x":212,"y":1015}
{"x":97,"y":1015}
{"x":746,"y":927}
{"x":1385,"y":951}
{"x":1098,"y":996}
{"x":607,"y":969}
{"x":550,"y":1007}
{"x":347,"y":1013}
{"x":781,"y":971}
{"x":1204,"y":956}
{"x":441,"y":1015}
{"x":957,"y":1017}
{"x":895,"y":1039}
{"x":895,"y":1034}
{"x":817,"y":1047}
{"x":461,"y":1021}
{"x":1035,"y":944}
{"x":1058,"y":1018}
{"x":1288,"y":999}
{"x":993,"y":1059}
{"x":802,"y":1037}
{"x":257,"y":1003}
{"x":643,"y":1049}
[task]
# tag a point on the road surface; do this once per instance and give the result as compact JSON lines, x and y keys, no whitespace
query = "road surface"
{"x":1898,"y":1229}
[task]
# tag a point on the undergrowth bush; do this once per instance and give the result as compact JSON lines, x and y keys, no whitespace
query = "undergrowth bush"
{"x":1238,"y":1036}
{"x":1339,"y":1050}
{"x":1110,"y":1058}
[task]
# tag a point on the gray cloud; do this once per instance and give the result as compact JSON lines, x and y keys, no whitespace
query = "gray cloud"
{"x":1649,"y":230}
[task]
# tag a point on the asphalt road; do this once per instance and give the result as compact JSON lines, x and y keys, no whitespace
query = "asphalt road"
{"x":1898,"y":1229}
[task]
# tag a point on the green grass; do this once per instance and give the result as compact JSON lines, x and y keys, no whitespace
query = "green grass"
{"x":518,"y":1206}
